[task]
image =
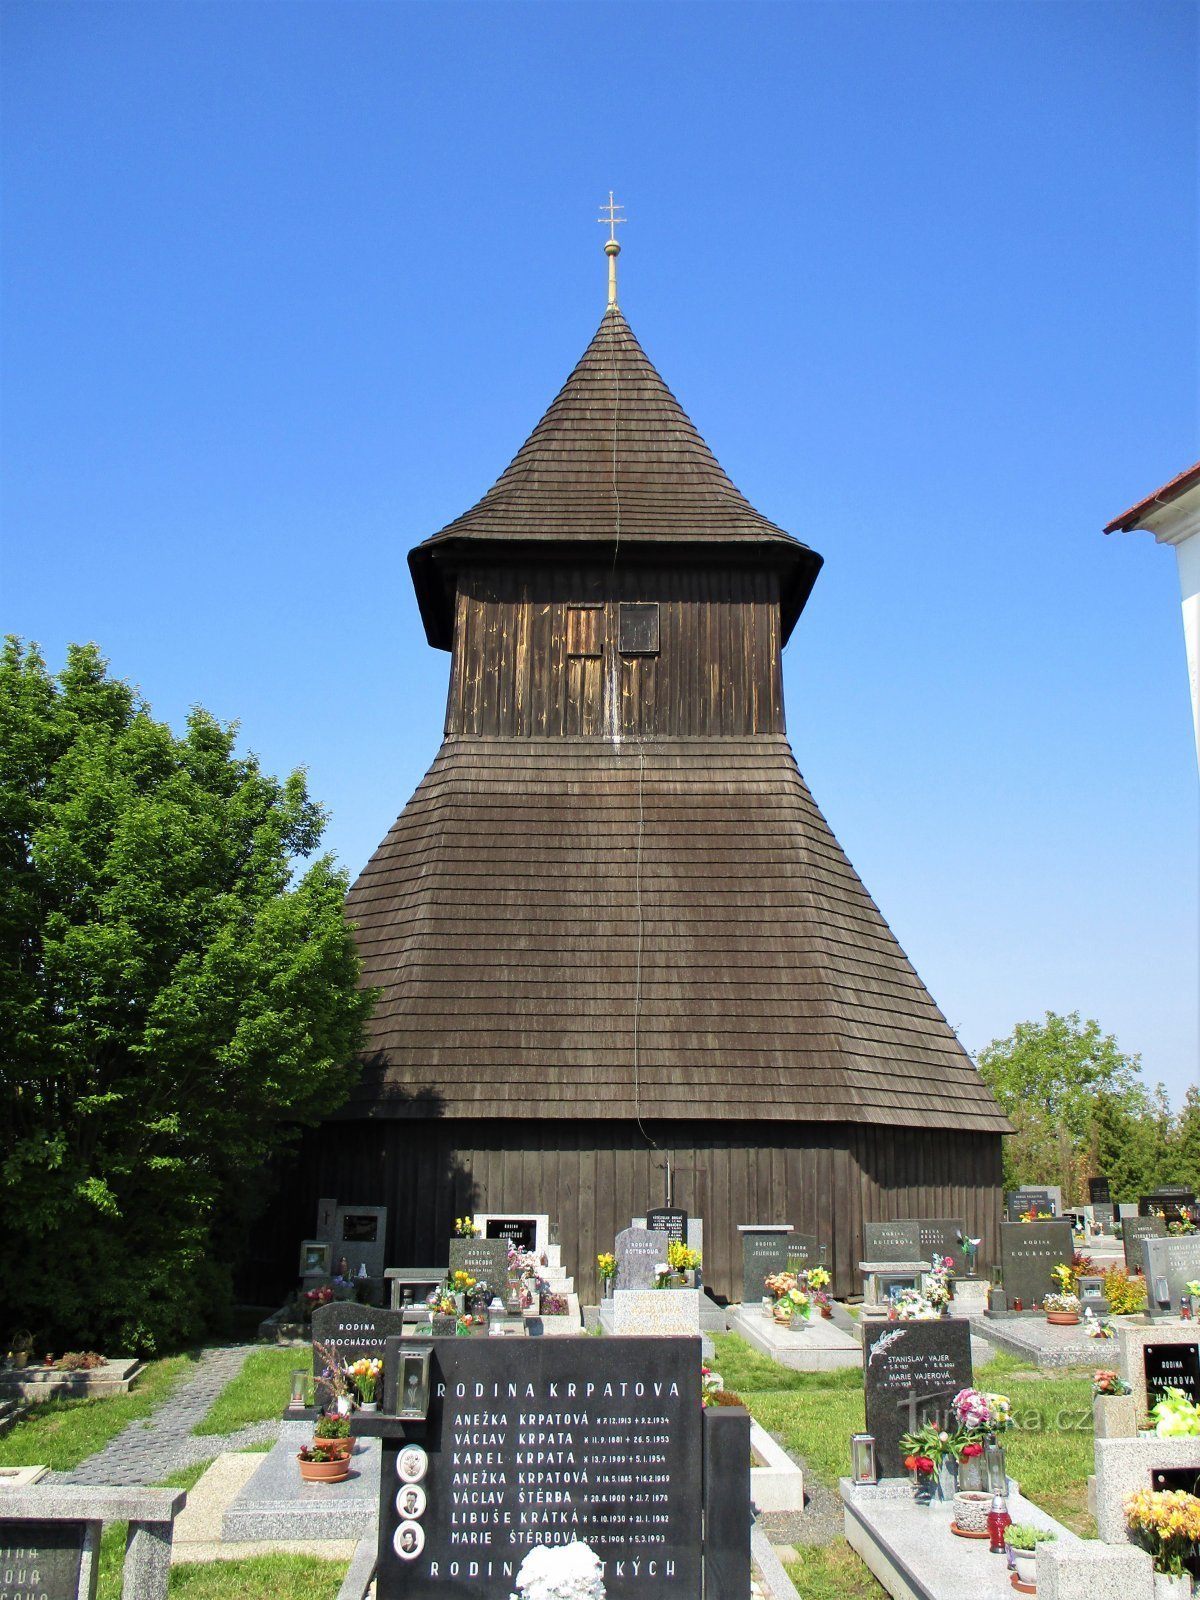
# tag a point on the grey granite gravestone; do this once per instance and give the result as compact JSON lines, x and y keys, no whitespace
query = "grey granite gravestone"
{"x":41,"y":1559}
{"x":353,"y":1331}
{"x":911,"y":1373}
{"x":670,"y":1220}
{"x":892,"y":1241}
{"x":764,"y":1252}
{"x":638,"y":1252}
{"x":1133,"y":1231}
{"x":485,"y":1259}
{"x":1171,"y":1366}
{"x":1028,"y":1252}
{"x":1171,"y":1263}
{"x":360,"y":1234}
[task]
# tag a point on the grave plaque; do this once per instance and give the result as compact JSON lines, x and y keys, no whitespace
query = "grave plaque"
{"x":1171,"y":1366}
{"x":41,"y":1560}
{"x":669,"y":1220}
{"x":763,"y":1253}
{"x":911,"y":1372}
{"x":638,"y":1252}
{"x":359,"y":1235}
{"x":520,"y":1232}
{"x":1178,"y":1261}
{"x":802,"y":1251}
{"x":1028,"y":1253}
{"x":485,"y":1259}
{"x":892,"y":1241}
{"x":1021,"y":1200}
{"x":353,"y":1330}
{"x":1185,"y":1478}
{"x":1168,"y":1198}
{"x":1098,"y":1192}
{"x":1091,"y":1296}
{"x":1102,"y":1216}
{"x":527,"y":1444}
{"x":1133,"y":1231}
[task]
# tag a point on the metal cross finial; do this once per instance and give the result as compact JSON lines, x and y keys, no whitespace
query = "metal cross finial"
{"x":613,"y":220}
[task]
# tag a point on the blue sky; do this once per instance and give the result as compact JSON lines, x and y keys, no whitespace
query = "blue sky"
{"x":286,"y":285}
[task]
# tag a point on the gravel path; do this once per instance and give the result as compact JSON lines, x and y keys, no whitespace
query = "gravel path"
{"x":151,"y":1447}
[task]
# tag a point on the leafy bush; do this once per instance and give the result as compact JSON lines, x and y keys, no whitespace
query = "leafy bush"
{"x":1124,"y":1294}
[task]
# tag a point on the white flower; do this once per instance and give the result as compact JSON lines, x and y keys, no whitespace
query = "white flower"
{"x":560,"y":1572}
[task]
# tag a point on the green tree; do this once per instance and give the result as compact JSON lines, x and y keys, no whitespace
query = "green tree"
{"x":174,"y":1000}
{"x":1049,"y":1076}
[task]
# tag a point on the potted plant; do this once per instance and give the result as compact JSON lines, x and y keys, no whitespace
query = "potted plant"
{"x":606,"y":1266}
{"x":1166,"y":1523}
{"x":683,"y":1261}
{"x":464,"y":1228}
{"x":1023,"y":1539}
{"x":319,"y":1466}
{"x":365,"y":1374}
{"x":20,"y":1347}
{"x":978,"y":1414}
{"x":1061,"y":1309}
{"x":1114,"y":1415}
{"x":460,"y":1284}
{"x":332,"y":1434}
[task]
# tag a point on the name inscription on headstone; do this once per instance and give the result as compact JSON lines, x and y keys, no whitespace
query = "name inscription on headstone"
{"x":669,"y":1220}
{"x":1133,"y":1231}
{"x":520,"y":1232}
{"x":1177,"y":1260}
{"x":763,"y":1254}
{"x":911,"y":1373}
{"x":41,"y":1560}
{"x":1171,"y":1366}
{"x":528,"y":1445}
{"x":352,"y":1330}
{"x":1023,"y":1200}
{"x":486,"y":1260}
{"x":891,"y":1241}
{"x":1028,"y":1253}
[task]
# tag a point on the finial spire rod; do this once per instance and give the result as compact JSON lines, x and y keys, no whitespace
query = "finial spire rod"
{"x":612,"y":248}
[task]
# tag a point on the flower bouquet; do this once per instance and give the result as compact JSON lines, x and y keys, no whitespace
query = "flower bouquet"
{"x":1175,"y":1415}
{"x":1165,"y":1522}
{"x":365,"y":1374}
{"x":925,"y":1451}
{"x":464,"y":1228}
{"x":1106,"y":1382}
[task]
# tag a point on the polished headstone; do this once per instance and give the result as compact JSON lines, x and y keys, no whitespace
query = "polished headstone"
{"x":911,"y":1373}
{"x":360,"y":1235}
{"x":803,"y":1251}
{"x":942,"y":1236}
{"x":54,"y":1550}
{"x":1028,"y":1199}
{"x":1028,"y":1253}
{"x":1171,"y":1366}
{"x":353,"y":1331}
{"x":638,"y":1251}
{"x":670,"y":1220}
{"x":892,"y":1241}
{"x":485,"y":1260}
{"x":1133,"y":1231}
{"x":1099,"y":1193}
{"x":520,"y":1232}
{"x":1171,"y":1264}
{"x":764,"y":1252}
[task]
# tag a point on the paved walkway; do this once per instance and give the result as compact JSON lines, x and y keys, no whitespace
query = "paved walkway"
{"x":151,"y":1447}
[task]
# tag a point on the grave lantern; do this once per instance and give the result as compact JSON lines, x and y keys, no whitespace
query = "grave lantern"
{"x":862,"y":1458}
{"x":301,"y":1385}
{"x":413,"y":1387}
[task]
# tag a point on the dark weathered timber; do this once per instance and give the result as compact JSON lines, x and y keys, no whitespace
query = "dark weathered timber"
{"x":823,"y":1177}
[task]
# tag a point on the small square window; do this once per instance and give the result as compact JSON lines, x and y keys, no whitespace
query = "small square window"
{"x":638,"y":628}
{"x":585,"y":630}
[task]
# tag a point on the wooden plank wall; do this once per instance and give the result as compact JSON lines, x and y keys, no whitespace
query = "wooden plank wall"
{"x":591,"y":1177}
{"x":717,"y":671}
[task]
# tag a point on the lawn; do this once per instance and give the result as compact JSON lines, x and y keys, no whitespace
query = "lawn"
{"x":832,"y":1572}
{"x":259,"y":1393}
{"x":62,"y":1433}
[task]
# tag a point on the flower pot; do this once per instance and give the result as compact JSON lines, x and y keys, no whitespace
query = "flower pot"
{"x":333,"y":1447}
{"x":368,"y":1405}
{"x":971,"y":1507}
{"x":781,"y":1312}
{"x":1062,"y":1319}
{"x":1025,"y":1565}
{"x":323,"y":1471}
{"x":826,"y":1311}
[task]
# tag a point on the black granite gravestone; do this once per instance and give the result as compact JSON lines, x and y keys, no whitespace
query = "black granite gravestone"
{"x":520,"y":1232}
{"x":669,"y":1220}
{"x":1099,"y":1193}
{"x":1172,"y":1366}
{"x":940,"y":1236}
{"x":892,"y":1241}
{"x":534,"y":1442}
{"x":638,"y":1252}
{"x":803,"y":1251}
{"x":41,"y":1560}
{"x":911,"y":1373}
{"x":1028,"y":1252}
{"x":1171,"y":1263}
{"x":352,"y":1330}
{"x":763,"y":1254}
{"x":1133,"y":1231}
{"x":1167,"y":1198}
{"x":486,"y":1260}
{"x":1021,"y":1200}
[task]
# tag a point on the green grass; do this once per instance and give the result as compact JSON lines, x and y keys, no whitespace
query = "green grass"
{"x":259,"y":1393}
{"x":747,"y":1372}
{"x":832,"y":1572}
{"x":62,"y":1433}
{"x":254,"y":1578}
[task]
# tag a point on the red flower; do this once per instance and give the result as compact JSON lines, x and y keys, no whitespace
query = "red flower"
{"x":971,"y":1450}
{"x":924,"y":1463}
{"x":911,"y":1463}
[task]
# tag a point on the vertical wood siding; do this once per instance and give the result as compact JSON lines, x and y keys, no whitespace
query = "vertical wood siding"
{"x":717,"y":671}
{"x":592,"y":1177}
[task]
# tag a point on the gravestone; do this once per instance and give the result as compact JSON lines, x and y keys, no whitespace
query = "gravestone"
{"x":51,"y":1550}
{"x":1102,"y":1216}
{"x":1099,"y":1192}
{"x":940,"y":1236}
{"x":764,"y":1252}
{"x":1029,"y":1200}
{"x":1168,"y":1197}
{"x":1091,"y":1296}
{"x":1171,"y":1264}
{"x":1171,"y":1366}
{"x":360,"y":1234}
{"x":352,"y":1330}
{"x":669,"y":1220}
{"x":1133,"y":1231}
{"x":911,"y":1373}
{"x":803,"y":1251}
{"x":485,"y":1259}
{"x":520,"y":1232}
{"x":1028,"y":1252}
{"x":533,"y":1443}
{"x":638,"y":1252}
{"x":892,"y":1241}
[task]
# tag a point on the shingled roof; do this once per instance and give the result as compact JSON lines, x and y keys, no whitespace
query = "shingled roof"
{"x":614,"y":457}
{"x":500,"y":919}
